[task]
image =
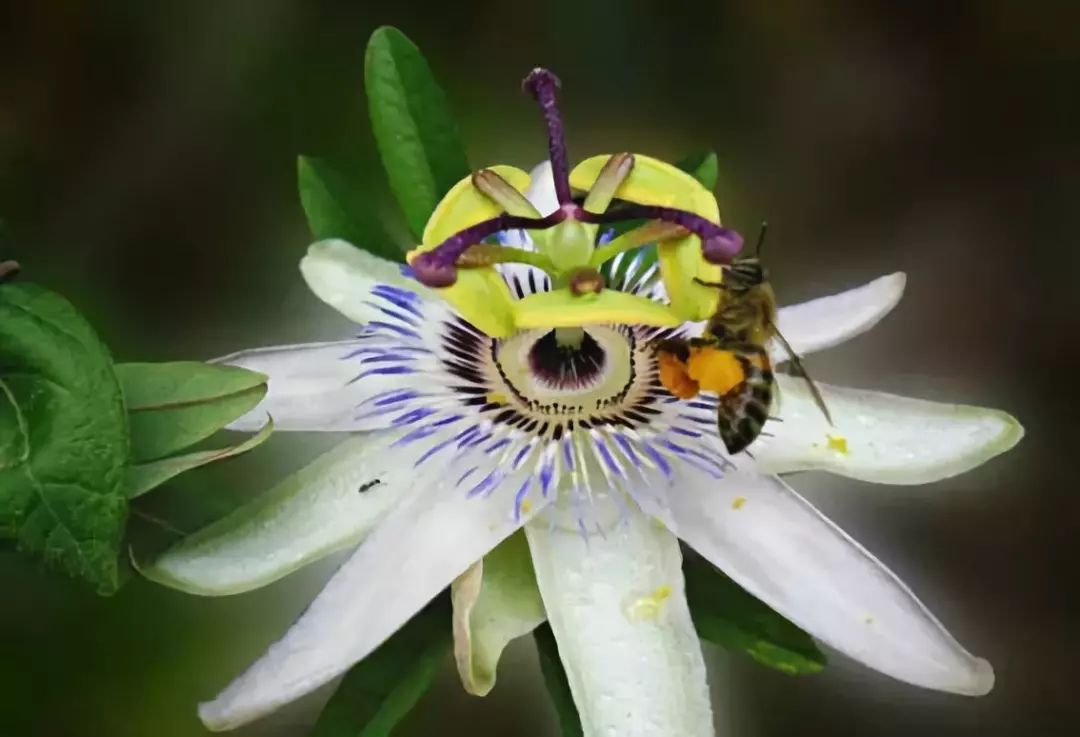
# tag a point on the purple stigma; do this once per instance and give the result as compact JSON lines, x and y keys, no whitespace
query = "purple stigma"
{"x":431,"y":271}
{"x":543,"y":85}
{"x":719,"y":245}
{"x":438,"y":267}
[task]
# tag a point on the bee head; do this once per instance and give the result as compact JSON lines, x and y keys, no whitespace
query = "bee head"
{"x":746,"y":273}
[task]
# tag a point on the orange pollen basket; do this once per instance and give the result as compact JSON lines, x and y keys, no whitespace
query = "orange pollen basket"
{"x":674,"y":377}
{"x":714,"y":370}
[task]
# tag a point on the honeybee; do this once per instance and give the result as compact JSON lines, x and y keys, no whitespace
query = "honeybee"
{"x":731,"y":357}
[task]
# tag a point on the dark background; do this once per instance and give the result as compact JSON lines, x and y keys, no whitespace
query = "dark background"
{"x":147,"y":172}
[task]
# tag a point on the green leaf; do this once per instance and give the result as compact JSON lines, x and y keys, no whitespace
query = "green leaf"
{"x":63,"y":437}
{"x":413,"y":126}
{"x":338,"y":207}
{"x":705,"y":168}
{"x":558,"y":687}
{"x":148,"y":476}
{"x":174,"y":405}
{"x":383,"y":688}
{"x":726,"y":615}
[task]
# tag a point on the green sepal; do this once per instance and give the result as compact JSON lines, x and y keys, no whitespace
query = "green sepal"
{"x":174,"y":405}
{"x":727,"y":615}
{"x":379,"y":691}
{"x":414,"y":129}
{"x":63,"y":437}
{"x":558,"y":687}
{"x":337,"y":207}
{"x":148,"y":476}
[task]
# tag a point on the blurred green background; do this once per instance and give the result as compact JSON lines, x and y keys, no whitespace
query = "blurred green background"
{"x":147,"y":172}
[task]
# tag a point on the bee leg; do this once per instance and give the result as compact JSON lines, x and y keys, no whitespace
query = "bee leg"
{"x":714,"y":284}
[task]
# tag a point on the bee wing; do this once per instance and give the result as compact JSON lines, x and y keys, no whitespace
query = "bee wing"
{"x":796,"y":362}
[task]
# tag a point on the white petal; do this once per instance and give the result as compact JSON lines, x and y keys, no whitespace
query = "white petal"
{"x":827,"y":321}
{"x":880,"y":437}
{"x":425,"y":542}
{"x":495,"y":601}
{"x":541,"y":191}
{"x":308,"y":515}
{"x":783,"y":551}
{"x":618,"y":609}
{"x":342,"y":276}
{"x":314,"y":387}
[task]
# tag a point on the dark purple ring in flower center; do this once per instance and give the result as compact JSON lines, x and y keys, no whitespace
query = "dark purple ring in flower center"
{"x":565,"y":366}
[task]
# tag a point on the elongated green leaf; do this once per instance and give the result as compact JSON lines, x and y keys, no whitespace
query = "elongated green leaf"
{"x":726,"y":615}
{"x":174,"y":405}
{"x":414,"y":128}
{"x":558,"y":687}
{"x":148,"y":476}
{"x":383,"y":688}
{"x":336,"y":207}
{"x":63,"y":437}
{"x":704,"y":167}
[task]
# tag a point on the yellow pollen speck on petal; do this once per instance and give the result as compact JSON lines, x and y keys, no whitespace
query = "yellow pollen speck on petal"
{"x":526,"y":506}
{"x":838,"y":443}
{"x":647,"y":608}
{"x":496,"y":398}
{"x":738,"y":502}
{"x":715,"y":370}
{"x":869,"y":620}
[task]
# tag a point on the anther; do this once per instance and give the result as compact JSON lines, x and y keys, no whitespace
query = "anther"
{"x":503,"y":194}
{"x":615,"y":171}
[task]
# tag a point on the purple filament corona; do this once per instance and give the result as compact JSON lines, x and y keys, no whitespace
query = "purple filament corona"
{"x":438,"y":267}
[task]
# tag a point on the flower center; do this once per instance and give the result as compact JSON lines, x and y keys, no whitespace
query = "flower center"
{"x":535,"y":375}
{"x":566,"y":366}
